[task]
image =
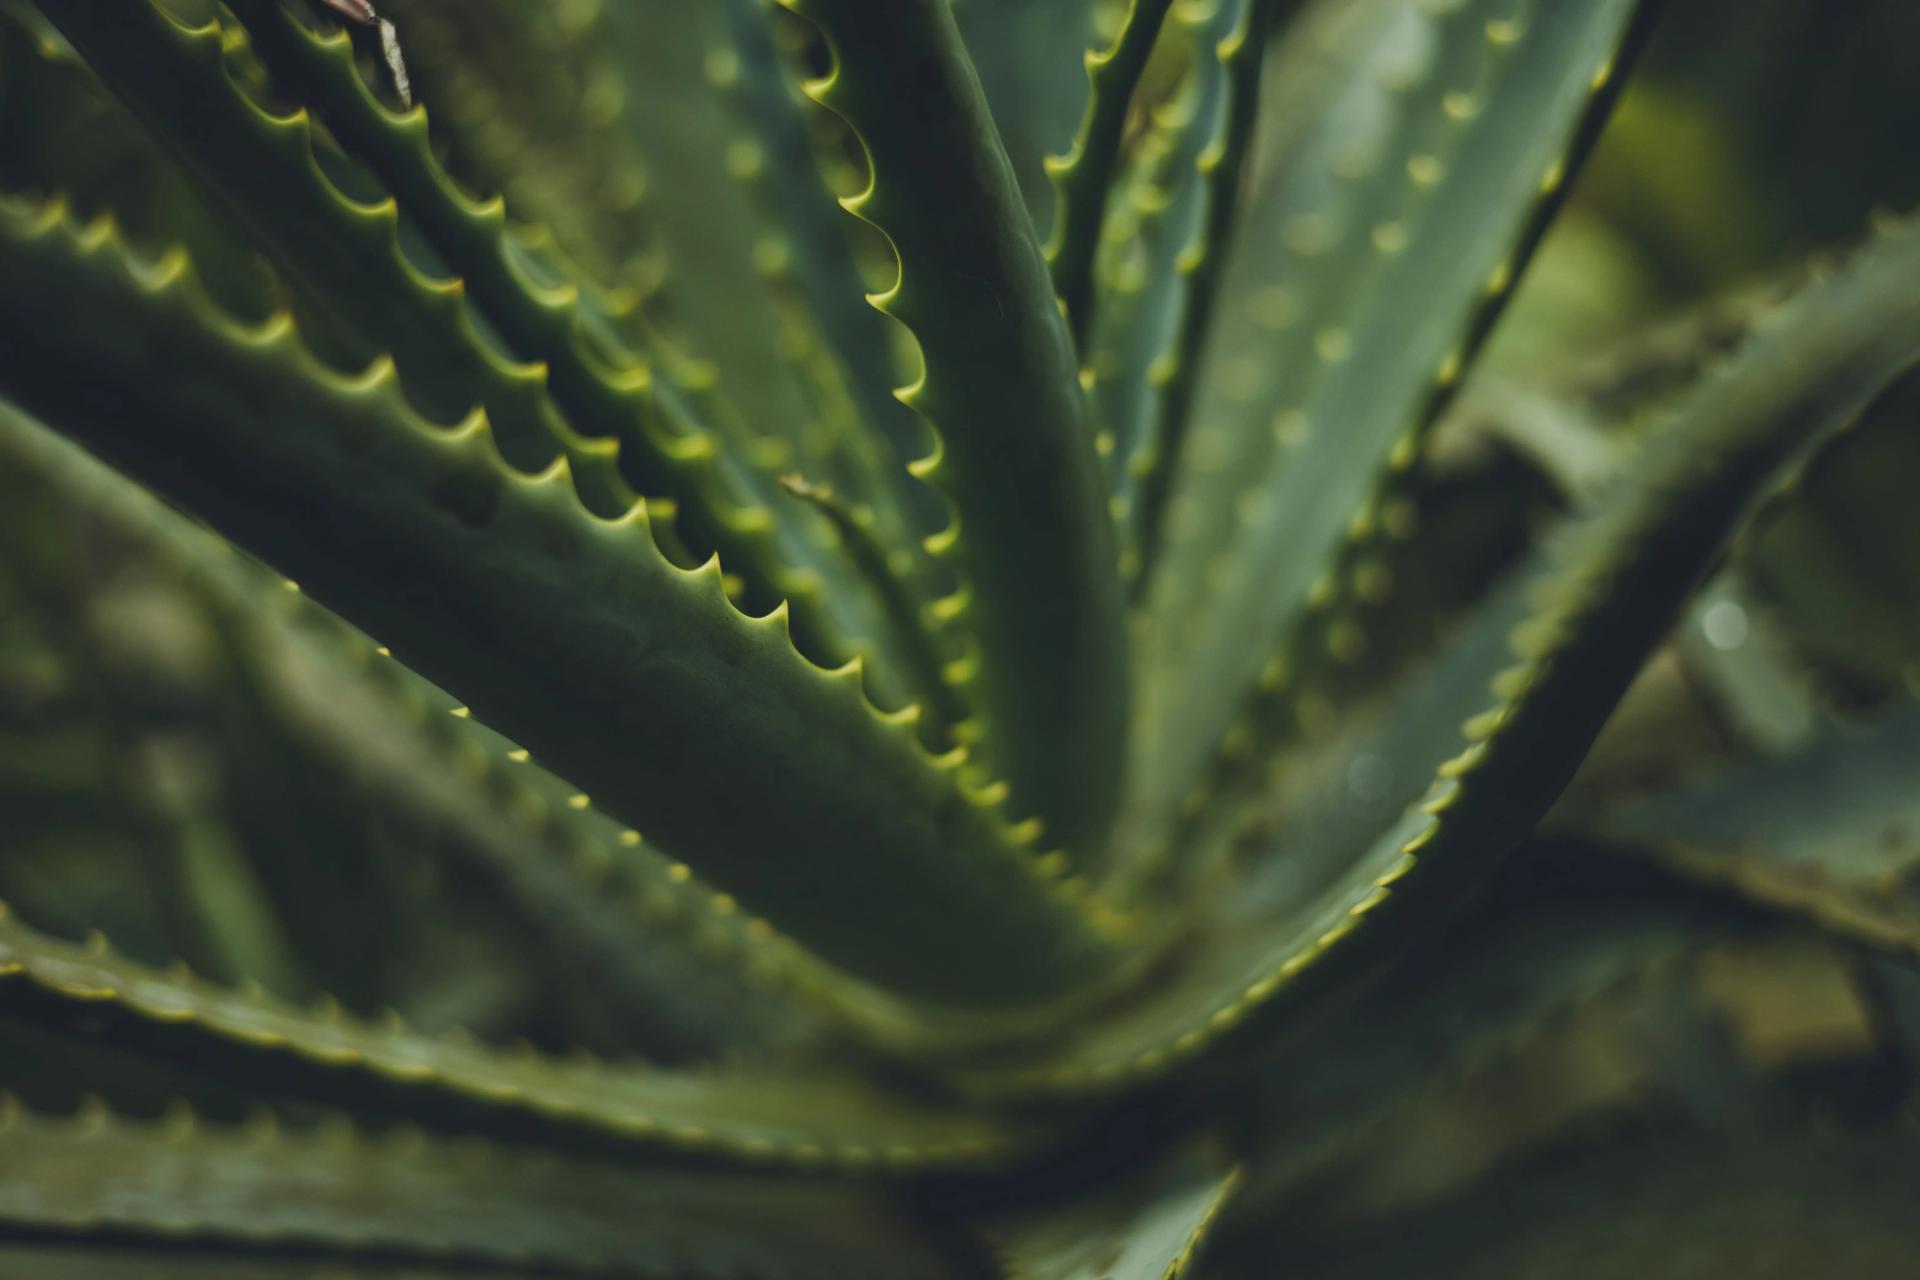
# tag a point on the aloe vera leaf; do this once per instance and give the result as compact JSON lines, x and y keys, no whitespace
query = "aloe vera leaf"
{"x":1000,"y":384}
{"x":345,"y":1191}
{"x":1533,"y":83}
{"x":174,"y":76}
{"x":748,"y":294}
{"x":1326,"y":893}
{"x":710,"y":693}
{"x":1083,"y":177}
{"x":1154,"y":244}
{"x":891,"y":581}
{"x":824,"y":258}
{"x":1243,"y":53}
{"x":824,"y":1121}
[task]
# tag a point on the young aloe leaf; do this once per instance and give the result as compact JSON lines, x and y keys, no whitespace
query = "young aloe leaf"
{"x":339,"y":1188}
{"x":1243,"y":53}
{"x":1084,"y":176}
{"x":1829,"y":831}
{"x":1334,"y":888}
{"x":800,"y":171}
{"x":635,"y":680}
{"x":806,"y":245}
{"x":1001,"y":385}
{"x":825,"y":1121}
{"x":1151,"y":1226}
{"x":1399,"y":232}
{"x":722,"y":292}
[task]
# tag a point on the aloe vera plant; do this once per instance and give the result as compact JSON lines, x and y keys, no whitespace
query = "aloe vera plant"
{"x":523,"y":754}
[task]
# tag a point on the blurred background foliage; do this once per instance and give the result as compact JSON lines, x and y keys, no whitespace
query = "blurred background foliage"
{"x":168,"y":775}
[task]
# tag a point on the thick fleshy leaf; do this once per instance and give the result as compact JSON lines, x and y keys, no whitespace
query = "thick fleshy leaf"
{"x":1000,"y":384}
{"x":1223,"y":165}
{"x":1365,"y":273}
{"x":1084,"y":176}
{"x":1152,"y":230}
{"x":802,"y":1119}
{"x":339,"y":1190}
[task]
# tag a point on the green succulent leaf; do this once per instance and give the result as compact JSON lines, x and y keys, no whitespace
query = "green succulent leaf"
{"x":402,"y":1192}
{"x":1243,"y":55}
{"x":824,"y":1123}
{"x":1083,"y":177}
{"x":1000,"y":383}
{"x":1146,"y":259}
{"x":1366,"y":275}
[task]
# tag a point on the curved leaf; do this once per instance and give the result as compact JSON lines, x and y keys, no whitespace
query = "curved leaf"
{"x":1364,"y":276}
{"x":803,"y":1120}
{"x":340,"y":1190}
{"x":1083,"y":177}
{"x":1001,"y":385}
